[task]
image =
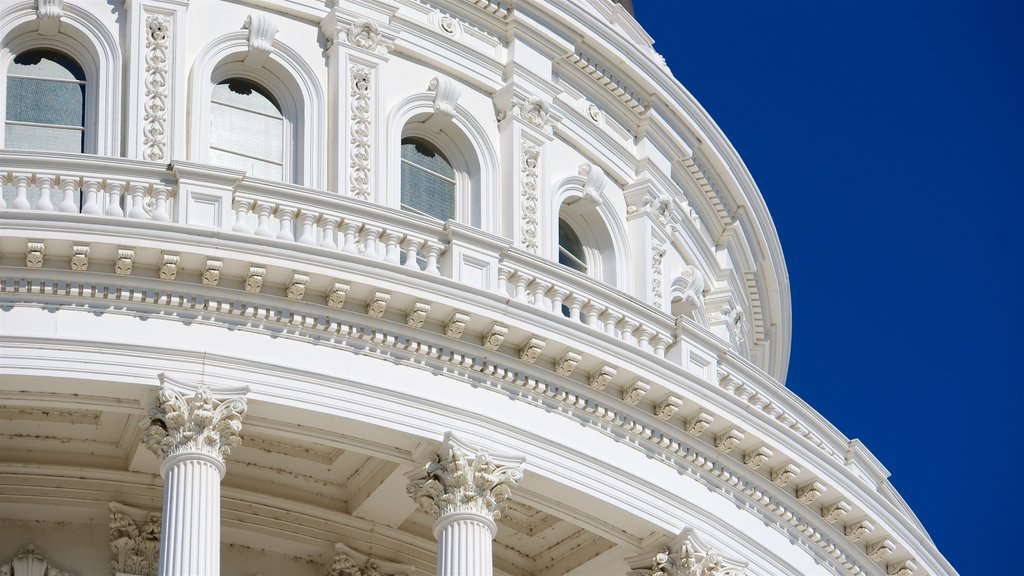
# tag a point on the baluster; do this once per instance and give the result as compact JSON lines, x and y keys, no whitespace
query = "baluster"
{"x":504,"y":273}
{"x":3,"y":182}
{"x":626,"y":328}
{"x":611,"y":319}
{"x":411,"y":247}
{"x":21,"y":192}
{"x":371,"y":242}
{"x":329,"y":234}
{"x":392,"y":240}
{"x":44,"y":184}
{"x":433,"y":250}
{"x":160,"y":214}
{"x":520,"y":281}
{"x":138,"y":193}
{"x":307,"y":223}
{"x":350,"y":231}
{"x":241,"y":206}
{"x":574,"y":302}
{"x":286,"y":216}
{"x":92,"y":198}
{"x":114,"y":190}
{"x":557,"y":296}
{"x":537,"y":289}
{"x":644,"y":335}
{"x":660,"y":343}
{"x":69,"y":188}
{"x":590,"y":312}
{"x":264,"y":210}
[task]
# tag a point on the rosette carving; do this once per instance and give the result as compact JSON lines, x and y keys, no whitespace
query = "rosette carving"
{"x":197,"y":423}
{"x":463,"y":478}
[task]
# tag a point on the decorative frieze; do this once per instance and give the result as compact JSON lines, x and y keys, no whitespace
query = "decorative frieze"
{"x":530,"y":174}
{"x":810,"y":492}
{"x":136,"y":545}
{"x":463,"y":478}
{"x":634,"y":392}
{"x":835,"y":512}
{"x":756,"y":458}
{"x":377,"y":305}
{"x":360,"y":117}
{"x":211,"y":272}
{"x":728,"y":440}
{"x":531,"y":350}
{"x":154,"y":119}
{"x":600,"y":378}
{"x":124,"y":262}
{"x":456,"y":325}
{"x":879,"y":550}
{"x":858,"y":530}
{"x":194,"y":424}
{"x":668,"y":407}
{"x":494,"y":336}
{"x":657,"y":273}
{"x":254,"y":279}
{"x":698,"y":423}
{"x":784,"y":474}
{"x":169,"y":266}
{"x":80,"y":258}
{"x":34,"y":254}
{"x":336,"y":295}
{"x":567,"y":362}
{"x":417,"y":314}
{"x":296,"y":288}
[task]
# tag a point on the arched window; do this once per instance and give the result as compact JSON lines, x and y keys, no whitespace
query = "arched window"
{"x":570,"y":248}
{"x":247,"y":129}
{"x":428,"y":180}
{"x":45,"y":103}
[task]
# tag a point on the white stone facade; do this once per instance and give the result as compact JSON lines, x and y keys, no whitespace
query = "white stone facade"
{"x":207,"y":372}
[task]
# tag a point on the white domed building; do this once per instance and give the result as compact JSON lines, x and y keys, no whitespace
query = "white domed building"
{"x":381,"y":287}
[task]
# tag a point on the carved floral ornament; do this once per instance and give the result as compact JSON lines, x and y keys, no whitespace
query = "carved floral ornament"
{"x":463,"y":478}
{"x":135,"y":544}
{"x":348,"y":562}
{"x":29,"y":561}
{"x":686,"y":556}
{"x":197,"y":423}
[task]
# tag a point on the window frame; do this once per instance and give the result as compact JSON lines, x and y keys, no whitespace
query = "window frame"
{"x":84,"y":83}
{"x":286,"y":142}
{"x":454,"y":180}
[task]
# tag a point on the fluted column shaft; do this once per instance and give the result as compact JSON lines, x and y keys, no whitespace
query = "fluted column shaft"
{"x":190,"y":530}
{"x":464,"y":545}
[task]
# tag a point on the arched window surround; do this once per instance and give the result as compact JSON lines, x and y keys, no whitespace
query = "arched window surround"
{"x":85,"y":39}
{"x":464,"y":142}
{"x":601,"y":231}
{"x":285,"y":75}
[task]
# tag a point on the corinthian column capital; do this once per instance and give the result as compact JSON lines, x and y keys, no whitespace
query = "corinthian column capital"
{"x":194,"y":423}
{"x":465,"y":479}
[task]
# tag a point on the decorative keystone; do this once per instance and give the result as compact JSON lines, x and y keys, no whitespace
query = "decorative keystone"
{"x":464,"y":478}
{"x":34,"y":255}
{"x":756,"y":458}
{"x":810,"y":492}
{"x":667,"y":407}
{"x":336,"y":296}
{"x":600,"y":378}
{"x":634,"y":392}
{"x":297,"y":286}
{"x":835,"y":512}
{"x":169,"y":266}
{"x":456,"y":325}
{"x":211,"y":272}
{"x":698,"y":423}
{"x":904,"y":568}
{"x":728,"y":440}
{"x":254,"y":280}
{"x":858,"y":530}
{"x":197,"y":423}
{"x":80,"y":257}
{"x":378,"y":304}
{"x":494,"y":336}
{"x":567,"y":362}
{"x":877,"y":551}
{"x":531,"y":350}
{"x":417,"y":314}
{"x":125,"y":261}
{"x":784,"y":474}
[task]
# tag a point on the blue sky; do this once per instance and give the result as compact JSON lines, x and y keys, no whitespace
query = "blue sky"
{"x":886,"y":138}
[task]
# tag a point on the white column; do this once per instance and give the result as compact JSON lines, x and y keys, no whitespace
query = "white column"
{"x":192,"y":434}
{"x":465,"y":488}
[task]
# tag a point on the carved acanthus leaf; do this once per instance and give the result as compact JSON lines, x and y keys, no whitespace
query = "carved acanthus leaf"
{"x":198,"y":423}
{"x":154,"y":126}
{"x":136,"y":545}
{"x":689,"y":557}
{"x":30,"y":561}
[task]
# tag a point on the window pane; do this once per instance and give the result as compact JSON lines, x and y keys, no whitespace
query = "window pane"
{"x":45,"y":101}
{"x":246,"y":133}
{"x":570,"y":251}
{"x":253,"y":167}
{"x":43,"y":138}
{"x":422,"y":153}
{"x":43,"y":64}
{"x":246,"y":95}
{"x":427,"y":193}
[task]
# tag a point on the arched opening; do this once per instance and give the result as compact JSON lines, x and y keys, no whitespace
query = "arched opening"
{"x":584,"y":242}
{"x":429,"y":182}
{"x":247,"y":129}
{"x":570,"y":248}
{"x":45,"y":107}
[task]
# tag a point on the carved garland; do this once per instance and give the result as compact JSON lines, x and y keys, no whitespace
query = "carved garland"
{"x":657,"y":256}
{"x":530,"y":168}
{"x":359,"y":174}
{"x":154,"y":129}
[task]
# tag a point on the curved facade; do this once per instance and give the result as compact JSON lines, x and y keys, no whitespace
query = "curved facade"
{"x":452,"y":286}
